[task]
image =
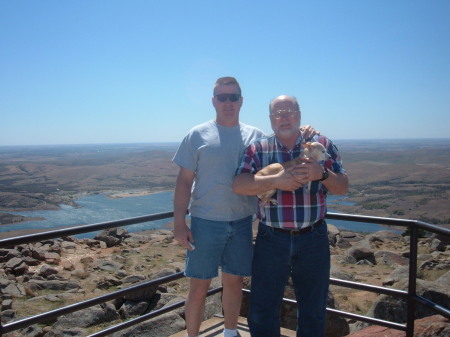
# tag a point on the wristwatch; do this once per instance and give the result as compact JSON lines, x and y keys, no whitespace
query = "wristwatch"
{"x":324,"y":174}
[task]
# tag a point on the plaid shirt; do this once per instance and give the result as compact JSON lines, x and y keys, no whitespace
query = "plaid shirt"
{"x":302,"y":207}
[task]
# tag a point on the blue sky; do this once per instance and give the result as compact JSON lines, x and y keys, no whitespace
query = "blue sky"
{"x":109,"y":71}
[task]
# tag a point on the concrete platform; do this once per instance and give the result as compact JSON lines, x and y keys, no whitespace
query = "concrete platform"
{"x":214,"y":327}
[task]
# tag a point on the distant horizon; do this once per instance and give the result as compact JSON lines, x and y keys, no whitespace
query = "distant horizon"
{"x":172,"y":143}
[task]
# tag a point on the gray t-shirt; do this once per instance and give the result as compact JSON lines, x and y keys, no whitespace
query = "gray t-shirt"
{"x":214,"y":152}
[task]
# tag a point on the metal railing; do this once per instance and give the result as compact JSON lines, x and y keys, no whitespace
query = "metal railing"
{"x":410,"y":295}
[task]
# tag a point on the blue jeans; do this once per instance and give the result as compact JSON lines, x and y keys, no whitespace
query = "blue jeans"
{"x":278,"y":256}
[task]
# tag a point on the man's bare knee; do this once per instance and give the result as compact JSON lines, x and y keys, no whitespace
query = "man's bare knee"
{"x":198,"y":288}
{"x":232,"y":281}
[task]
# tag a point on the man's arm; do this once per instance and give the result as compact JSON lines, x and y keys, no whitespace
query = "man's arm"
{"x":336,"y":183}
{"x":181,"y":200}
{"x":252,"y":184}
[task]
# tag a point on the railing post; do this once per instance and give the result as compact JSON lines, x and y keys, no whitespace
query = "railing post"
{"x":411,"y":303}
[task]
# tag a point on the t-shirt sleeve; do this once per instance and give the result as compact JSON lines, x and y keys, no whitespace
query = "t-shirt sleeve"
{"x":186,"y":155}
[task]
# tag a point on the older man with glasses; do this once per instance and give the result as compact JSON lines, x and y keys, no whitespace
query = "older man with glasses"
{"x":292,"y":238}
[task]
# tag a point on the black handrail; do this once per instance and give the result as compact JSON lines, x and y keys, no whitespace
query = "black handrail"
{"x":410,"y":295}
{"x":149,"y":315}
{"x":57,"y":233}
{"x":88,"y":303}
{"x":377,"y":321}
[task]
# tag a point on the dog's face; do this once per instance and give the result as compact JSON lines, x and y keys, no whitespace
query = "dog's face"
{"x":316,"y":151}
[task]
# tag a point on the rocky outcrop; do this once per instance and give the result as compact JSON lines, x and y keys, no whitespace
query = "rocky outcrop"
{"x":88,"y":317}
{"x":394,"y":309}
{"x":62,"y":269}
{"x":432,"y":326}
{"x":112,"y":237}
{"x":67,"y":270}
{"x":164,"y":325}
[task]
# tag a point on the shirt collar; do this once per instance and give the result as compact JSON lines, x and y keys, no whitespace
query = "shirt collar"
{"x":297,"y":143}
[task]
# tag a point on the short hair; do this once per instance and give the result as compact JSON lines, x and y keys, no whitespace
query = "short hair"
{"x":285,"y":97}
{"x":226,"y":81}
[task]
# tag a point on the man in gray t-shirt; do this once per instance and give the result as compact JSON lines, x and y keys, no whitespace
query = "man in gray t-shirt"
{"x":213,"y":152}
{"x":221,"y":221}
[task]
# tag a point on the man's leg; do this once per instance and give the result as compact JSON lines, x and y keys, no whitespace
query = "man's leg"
{"x":231,"y":299}
{"x":201,"y":267}
{"x":236,"y":262}
{"x":270,"y":272}
{"x":310,"y":276}
{"x":195,"y":305}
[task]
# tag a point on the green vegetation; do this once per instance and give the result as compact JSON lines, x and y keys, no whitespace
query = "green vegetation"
{"x":375,"y":205}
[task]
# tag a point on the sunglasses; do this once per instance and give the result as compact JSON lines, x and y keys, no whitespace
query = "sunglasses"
{"x":232,"y":97}
{"x":284,"y":113}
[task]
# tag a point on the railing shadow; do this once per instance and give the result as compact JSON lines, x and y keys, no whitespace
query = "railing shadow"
{"x":410,"y":295}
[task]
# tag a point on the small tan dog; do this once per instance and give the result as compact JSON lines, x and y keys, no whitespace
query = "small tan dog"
{"x":312,"y":150}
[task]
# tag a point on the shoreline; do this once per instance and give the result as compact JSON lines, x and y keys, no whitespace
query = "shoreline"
{"x":112,"y":194}
{"x":132,"y":193}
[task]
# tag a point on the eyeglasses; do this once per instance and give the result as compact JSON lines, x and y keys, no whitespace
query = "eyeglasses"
{"x":223,"y":97}
{"x":284,"y":113}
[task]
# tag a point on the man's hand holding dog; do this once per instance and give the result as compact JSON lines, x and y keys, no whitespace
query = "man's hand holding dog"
{"x":288,"y":180}
{"x":307,"y":171}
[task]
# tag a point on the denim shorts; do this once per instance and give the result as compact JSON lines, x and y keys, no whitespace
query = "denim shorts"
{"x":227,"y":244}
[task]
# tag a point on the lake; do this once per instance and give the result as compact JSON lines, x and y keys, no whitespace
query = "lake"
{"x":99,"y":208}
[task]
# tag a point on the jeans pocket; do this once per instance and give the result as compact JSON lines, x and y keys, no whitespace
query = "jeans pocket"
{"x":321,"y":230}
{"x":263,"y":230}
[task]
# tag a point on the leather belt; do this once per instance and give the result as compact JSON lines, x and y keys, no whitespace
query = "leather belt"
{"x":298,"y":231}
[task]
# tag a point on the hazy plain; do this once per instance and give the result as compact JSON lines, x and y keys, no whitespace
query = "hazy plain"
{"x":392,"y":178}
